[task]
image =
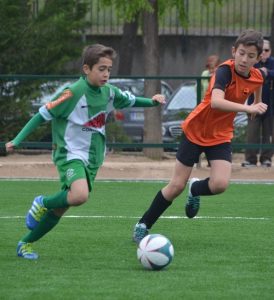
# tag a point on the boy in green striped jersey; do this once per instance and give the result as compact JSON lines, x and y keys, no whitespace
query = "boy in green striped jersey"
{"x":78,"y":116}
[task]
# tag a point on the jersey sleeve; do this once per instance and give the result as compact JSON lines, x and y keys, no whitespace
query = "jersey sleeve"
{"x":32,"y":124}
{"x":122,"y":99}
{"x":145,"y":102}
{"x":58,"y":107}
{"x":223,"y":77}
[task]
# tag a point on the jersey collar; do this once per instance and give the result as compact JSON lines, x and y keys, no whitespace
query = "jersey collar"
{"x":96,"y":89}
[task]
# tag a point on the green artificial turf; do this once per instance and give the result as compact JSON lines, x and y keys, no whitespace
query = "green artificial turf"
{"x":225,"y":253}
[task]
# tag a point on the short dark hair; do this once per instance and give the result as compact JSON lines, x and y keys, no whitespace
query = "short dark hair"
{"x":251,"y":37}
{"x":92,"y":54}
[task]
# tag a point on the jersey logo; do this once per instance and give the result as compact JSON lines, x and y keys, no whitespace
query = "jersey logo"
{"x":70,"y":173}
{"x":246,"y":91}
{"x":64,"y":96}
{"x":98,"y":122}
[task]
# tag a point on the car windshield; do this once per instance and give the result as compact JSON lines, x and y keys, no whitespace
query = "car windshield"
{"x":184,"y":98}
{"x":137,"y":88}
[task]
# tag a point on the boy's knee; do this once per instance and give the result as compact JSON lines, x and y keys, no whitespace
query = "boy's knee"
{"x":79,"y":199}
{"x":175,"y":189}
{"x":219,"y":186}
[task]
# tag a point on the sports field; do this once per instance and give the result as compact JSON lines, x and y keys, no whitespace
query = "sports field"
{"x":225,"y":253}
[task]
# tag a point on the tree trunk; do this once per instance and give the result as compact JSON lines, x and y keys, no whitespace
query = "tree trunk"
{"x":127,"y":47}
{"x":153,"y":122}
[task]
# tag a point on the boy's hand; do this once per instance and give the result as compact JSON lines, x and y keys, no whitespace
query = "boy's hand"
{"x":159,"y":98}
{"x":258,"y":108}
{"x":264,"y":69}
{"x":9,"y":147}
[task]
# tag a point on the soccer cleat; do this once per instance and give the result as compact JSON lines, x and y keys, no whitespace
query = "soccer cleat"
{"x":266,"y":163}
{"x":140,"y":231}
{"x":193,"y":203}
{"x":25,"y":250}
{"x":35,"y":213}
{"x":247,"y":164}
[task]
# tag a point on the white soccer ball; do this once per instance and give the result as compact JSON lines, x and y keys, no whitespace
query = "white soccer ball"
{"x":155,"y":252}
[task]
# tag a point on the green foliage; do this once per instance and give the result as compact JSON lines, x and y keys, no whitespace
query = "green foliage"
{"x":115,"y":133}
{"x":127,"y":10}
{"x":240,"y":133}
{"x":14,"y":107}
{"x":41,"y":43}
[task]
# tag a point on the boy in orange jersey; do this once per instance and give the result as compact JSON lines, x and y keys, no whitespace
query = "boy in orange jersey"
{"x":209,"y":129}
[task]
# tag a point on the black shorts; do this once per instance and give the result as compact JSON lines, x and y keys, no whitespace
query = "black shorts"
{"x":189,"y":153}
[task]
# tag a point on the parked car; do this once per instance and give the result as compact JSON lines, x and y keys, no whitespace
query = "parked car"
{"x":132,"y":119}
{"x":180,"y":104}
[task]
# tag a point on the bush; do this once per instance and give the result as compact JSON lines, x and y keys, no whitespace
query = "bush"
{"x":116,"y":134}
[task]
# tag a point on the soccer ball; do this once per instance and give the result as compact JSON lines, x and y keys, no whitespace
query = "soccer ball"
{"x":155,"y":252}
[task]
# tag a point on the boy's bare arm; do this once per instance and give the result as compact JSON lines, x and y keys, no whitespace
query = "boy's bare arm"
{"x":219,"y":102}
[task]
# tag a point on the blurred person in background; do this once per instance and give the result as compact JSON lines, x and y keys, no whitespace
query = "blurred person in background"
{"x":211,"y":64}
{"x":260,"y":127}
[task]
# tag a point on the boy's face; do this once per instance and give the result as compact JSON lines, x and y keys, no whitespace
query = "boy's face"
{"x":100,"y":72}
{"x":245,"y":58}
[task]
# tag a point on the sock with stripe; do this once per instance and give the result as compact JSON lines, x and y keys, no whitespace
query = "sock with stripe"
{"x":47,"y":223}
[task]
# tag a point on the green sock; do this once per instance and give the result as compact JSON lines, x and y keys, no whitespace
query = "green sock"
{"x":48,"y":221}
{"x":58,"y":200}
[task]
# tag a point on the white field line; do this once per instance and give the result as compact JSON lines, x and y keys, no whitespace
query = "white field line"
{"x":163,"y":217}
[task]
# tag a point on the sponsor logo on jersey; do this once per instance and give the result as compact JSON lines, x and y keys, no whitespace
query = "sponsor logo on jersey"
{"x":88,"y":129}
{"x":246,"y":91}
{"x":98,"y":122}
{"x":65,"y":96}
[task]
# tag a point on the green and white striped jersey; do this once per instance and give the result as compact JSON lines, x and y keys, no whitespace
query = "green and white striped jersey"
{"x":78,"y":118}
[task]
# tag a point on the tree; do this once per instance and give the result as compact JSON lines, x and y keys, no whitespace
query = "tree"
{"x":127,"y":46}
{"x":42,"y":43}
{"x":152,"y":122}
{"x":152,"y":10}
{"x":34,"y":44}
